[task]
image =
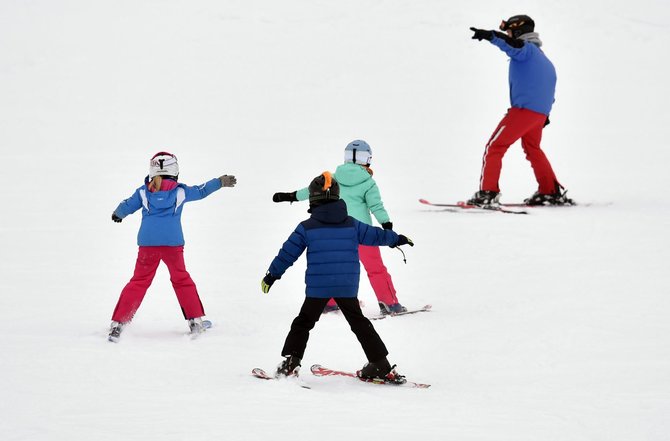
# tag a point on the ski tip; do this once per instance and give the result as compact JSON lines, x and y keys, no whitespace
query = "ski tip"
{"x":424,"y":201}
{"x":315,"y":367}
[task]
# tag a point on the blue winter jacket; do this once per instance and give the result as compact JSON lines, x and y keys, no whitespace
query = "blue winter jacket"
{"x":532,"y":77}
{"x":331,"y":238}
{"x":161,"y":211}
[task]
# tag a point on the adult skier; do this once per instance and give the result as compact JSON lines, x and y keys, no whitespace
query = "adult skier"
{"x":532,"y":83}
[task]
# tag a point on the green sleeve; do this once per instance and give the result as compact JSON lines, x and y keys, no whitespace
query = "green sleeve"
{"x":302,"y":194}
{"x":373,"y":199}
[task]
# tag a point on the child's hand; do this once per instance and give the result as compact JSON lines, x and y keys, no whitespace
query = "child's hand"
{"x":115,"y":218}
{"x":387,"y":225}
{"x":267,"y":282}
{"x":284,"y":197}
{"x":228,"y":180}
{"x":404,"y":240}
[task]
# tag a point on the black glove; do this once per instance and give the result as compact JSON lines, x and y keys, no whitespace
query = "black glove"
{"x":228,"y":180}
{"x":387,"y":225}
{"x":481,"y":34}
{"x":267,"y":282}
{"x":547,"y":122}
{"x":285,"y":197}
{"x":115,"y":218}
{"x":404,"y":240}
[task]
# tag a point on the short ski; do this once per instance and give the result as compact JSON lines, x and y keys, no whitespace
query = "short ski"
{"x":425,"y":308}
{"x":321,"y":371}
{"x":260,"y":373}
{"x":464,"y":206}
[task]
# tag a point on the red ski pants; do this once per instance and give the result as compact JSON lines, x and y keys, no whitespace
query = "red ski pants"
{"x":148,"y":259}
{"x":379,"y":277}
{"x":518,"y":124}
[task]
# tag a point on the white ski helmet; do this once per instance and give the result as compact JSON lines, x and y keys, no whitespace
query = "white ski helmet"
{"x":163,"y":164}
{"x":358,"y":152}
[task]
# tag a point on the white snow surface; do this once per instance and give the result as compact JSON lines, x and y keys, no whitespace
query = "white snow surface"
{"x":551,"y":326}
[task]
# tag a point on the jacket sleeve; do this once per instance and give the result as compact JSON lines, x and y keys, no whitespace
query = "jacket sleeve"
{"x":198,"y":192}
{"x":289,"y":252}
{"x":514,"y":48}
{"x":373,"y":199}
{"x":302,"y":194}
{"x":130,"y":205}
{"x":369,"y":235}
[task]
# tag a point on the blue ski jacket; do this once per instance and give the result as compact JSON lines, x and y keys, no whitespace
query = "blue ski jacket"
{"x":532,"y":77}
{"x":161,"y":211}
{"x":331,"y":238}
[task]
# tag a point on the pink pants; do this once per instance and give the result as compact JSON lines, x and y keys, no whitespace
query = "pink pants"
{"x":148,"y":259}
{"x":518,"y":124}
{"x":380,"y":279}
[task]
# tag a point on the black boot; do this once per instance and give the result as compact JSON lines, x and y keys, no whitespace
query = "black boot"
{"x":485,"y":198}
{"x":381,"y":371}
{"x":290,"y":366}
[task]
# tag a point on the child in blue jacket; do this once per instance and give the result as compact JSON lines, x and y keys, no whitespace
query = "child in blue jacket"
{"x":162,"y":199}
{"x":331,"y":238}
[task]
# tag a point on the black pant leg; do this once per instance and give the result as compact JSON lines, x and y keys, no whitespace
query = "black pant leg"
{"x":296,"y":340}
{"x":372,"y":344}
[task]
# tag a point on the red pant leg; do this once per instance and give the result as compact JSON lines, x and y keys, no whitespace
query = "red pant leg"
{"x":184,"y":287}
{"x":131,"y":297}
{"x":380,"y":279}
{"x":544,"y":174}
{"x":514,"y":125}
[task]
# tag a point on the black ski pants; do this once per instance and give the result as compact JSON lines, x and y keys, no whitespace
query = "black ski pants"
{"x":310,"y":312}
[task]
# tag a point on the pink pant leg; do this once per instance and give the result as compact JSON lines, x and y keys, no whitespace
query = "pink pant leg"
{"x":184,"y":287}
{"x":133,"y":293}
{"x":380,"y":279}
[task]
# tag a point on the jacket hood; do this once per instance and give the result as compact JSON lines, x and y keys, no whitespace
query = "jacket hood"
{"x":160,"y":199}
{"x":330,"y":213}
{"x":351,"y":174}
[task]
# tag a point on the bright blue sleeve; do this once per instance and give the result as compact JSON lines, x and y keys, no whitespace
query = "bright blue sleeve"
{"x":519,"y":54}
{"x":289,"y":252}
{"x":369,"y":235}
{"x":130,"y":205}
{"x":201,"y":191}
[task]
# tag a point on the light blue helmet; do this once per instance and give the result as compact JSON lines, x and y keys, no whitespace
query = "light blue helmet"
{"x":358,"y":152}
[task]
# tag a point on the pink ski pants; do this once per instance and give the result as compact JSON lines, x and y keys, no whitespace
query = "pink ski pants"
{"x":148,"y":259}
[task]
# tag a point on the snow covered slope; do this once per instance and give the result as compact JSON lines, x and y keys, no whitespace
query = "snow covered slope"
{"x":551,"y":326}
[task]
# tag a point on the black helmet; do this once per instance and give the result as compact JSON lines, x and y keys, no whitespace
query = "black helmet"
{"x":323,"y":188}
{"x":518,"y":24}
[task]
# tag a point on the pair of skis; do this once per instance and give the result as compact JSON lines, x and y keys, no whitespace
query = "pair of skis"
{"x":206,"y":324}
{"x":501,"y":208}
{"x":321,"y":371}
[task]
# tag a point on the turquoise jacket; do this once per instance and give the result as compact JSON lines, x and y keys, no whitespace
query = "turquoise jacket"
{"x":359,"y":191}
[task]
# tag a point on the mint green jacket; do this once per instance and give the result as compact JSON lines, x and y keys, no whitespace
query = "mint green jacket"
{"x":359,"y":191}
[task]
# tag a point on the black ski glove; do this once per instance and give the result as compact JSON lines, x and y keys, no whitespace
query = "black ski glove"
{"x":228,"y":180}
{"x":116,"y":219}
{"x":547,"y":122}
{"x":285,"y":197}
{"x":481,"y":34}
{"x":267,"y":282}
{"x":387,"y":225}
{"x":403,"y":240}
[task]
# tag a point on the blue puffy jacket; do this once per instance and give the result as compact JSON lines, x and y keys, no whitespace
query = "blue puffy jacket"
{"x":331,"y":238}
{"x":532,"y":77}
{"x":161,"y":211}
